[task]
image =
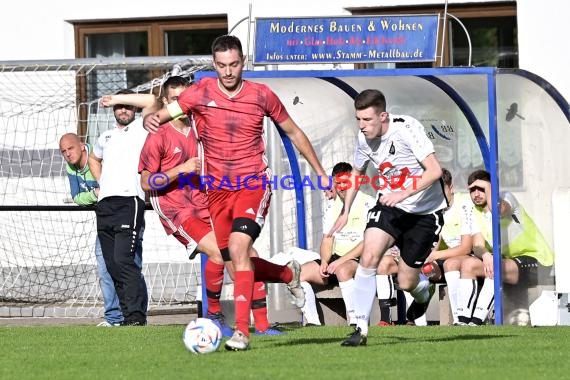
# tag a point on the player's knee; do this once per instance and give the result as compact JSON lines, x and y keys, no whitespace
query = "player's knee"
{"x":310,"y":272}
{"x":213,"y":254}
{"x":451,"y":265}
{"x":239,"y":253}
{"x":246,"y":226}
{"x":406,"y":284}
{"x":369,"y":260}
{"x":385,"y":268}
{"x":471,"y":266}
{"x":345,"y":272}
{"x":215,"y":257}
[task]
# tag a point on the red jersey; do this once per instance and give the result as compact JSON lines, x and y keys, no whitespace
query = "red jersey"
{"x":165,"y":150}
{"x":231,"y":128}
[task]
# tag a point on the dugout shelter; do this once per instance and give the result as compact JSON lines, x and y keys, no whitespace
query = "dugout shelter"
{"x":508,"y":121}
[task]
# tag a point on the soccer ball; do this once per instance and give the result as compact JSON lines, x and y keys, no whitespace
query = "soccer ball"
{"x":202,"y":336}
{"x":519,"y":317}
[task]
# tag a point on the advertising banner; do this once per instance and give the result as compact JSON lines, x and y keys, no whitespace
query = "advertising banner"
{"x":404,"y":38}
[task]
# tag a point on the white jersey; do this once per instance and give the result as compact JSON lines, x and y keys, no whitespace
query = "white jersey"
{"x":120,"y":150}
{"x":458,"y":221}
{"x":397,"y":156}
{"x":353,"y":232}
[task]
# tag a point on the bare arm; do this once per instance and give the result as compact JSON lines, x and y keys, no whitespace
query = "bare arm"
{"x":154,"y":120}
{"x":94,"y":163}
{"x":326,"y":254}
{"x":479,"y":245}
{"x":352,"y":188}
{"x":192,"y":165}
{"x":463,"y":249}
{"x":354,"y":253}
{"x":481,"y":250}
{"x":326,"y":248}
{"x":147,"y":102}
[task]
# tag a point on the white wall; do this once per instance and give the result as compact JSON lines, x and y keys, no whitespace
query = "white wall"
{"x":543,"y":41}
{"x":31,"y":30}
{"x":35,"y":29}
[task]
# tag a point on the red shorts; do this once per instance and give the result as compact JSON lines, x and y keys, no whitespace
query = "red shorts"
{"x":194,"y":229}
{"x":226,"y":206}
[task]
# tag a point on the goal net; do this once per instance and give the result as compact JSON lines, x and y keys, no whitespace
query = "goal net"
{"x":47,"y":261}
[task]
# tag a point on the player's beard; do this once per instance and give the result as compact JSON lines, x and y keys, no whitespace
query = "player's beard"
{"x":480,"y":202}
{"x":231,"y":84}
{"x":124,"y":120}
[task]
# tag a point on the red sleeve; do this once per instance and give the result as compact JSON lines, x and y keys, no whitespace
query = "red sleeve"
{"x":151,"y":153}
{"x":189,"y":97}
{"x":274,"y":107}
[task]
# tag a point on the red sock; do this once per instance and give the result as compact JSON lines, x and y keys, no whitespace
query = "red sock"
{"x":259,"y":306}
{"x":268,"y":272}
{"x":243,"y":292}
{"x":214,"y":277}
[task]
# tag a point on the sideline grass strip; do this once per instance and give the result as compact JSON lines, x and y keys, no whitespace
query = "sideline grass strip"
{"x":153,"y":352}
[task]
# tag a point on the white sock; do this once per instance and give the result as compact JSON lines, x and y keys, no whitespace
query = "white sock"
{"x":310,"y":308}
{"x":466,"y":295}
{"x":452,"y":279}
{"x":385,"y":287}
{"x":364,"y":291}
{"x":485,"y":300}
{"x":346,"y":288}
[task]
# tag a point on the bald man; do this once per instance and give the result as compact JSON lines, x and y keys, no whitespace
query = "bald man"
{"x":84,"y":191}
{"x":84,"y":188}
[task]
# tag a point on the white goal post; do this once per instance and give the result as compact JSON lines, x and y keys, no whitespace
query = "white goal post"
{"x":47,"y":261}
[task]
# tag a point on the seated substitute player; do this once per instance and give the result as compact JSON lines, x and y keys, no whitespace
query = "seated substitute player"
{"x":338,"y":253}
{"x":524,"y":251}
{"x":409,"y":209}
{"x":169,"y":156}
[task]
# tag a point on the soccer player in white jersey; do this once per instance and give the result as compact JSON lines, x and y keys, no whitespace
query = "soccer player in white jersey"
{"x":409,"y":207}
{"x":455,"y":244}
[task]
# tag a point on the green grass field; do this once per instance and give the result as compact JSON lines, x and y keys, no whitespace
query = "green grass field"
{"x":402,"y":352}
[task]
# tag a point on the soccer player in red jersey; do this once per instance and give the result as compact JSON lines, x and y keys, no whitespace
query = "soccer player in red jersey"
{"x":169,"y":165}
{"x":229,"y":112}
{"x":183,"y":211}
